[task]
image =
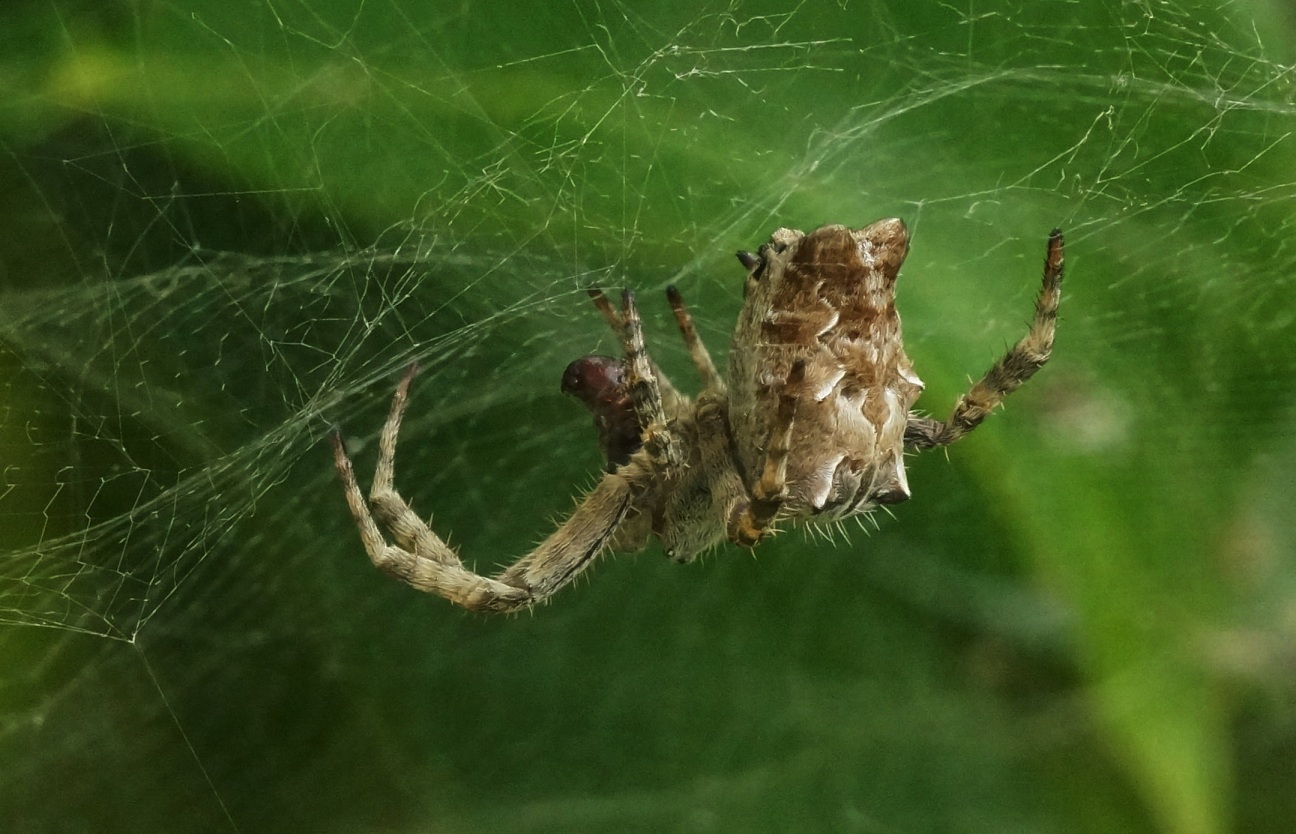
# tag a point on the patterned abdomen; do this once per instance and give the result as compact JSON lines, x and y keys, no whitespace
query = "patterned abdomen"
{"x":827,"y":298}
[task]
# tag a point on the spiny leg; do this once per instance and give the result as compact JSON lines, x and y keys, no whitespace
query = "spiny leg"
{"x":1018,"y":365}
{"x":711,"y":380}
{"x":644,"y":389}
{"x":578,"y":541}
{"x":406,"y":527}
{"x":425,"y":562}
{"x":672,"y":400}
{"x":374,"y":543}
{"x":697,"y":350}
{"x":604,"y":306}
{"x":767,"y":496}
{"x":425,"y":570}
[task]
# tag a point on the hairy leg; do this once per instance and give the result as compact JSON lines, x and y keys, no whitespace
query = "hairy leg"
{"x":1018,"y":365}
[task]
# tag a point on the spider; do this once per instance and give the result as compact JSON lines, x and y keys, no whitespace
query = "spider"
{"x":809,"y":427}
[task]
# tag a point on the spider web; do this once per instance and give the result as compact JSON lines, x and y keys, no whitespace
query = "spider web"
{"x":230,"y":226}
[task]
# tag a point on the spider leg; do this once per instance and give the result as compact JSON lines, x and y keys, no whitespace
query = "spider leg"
{"x":435,"y":570}
{"x":405,"y":526}
{"x":752,"y":524}
{"x":644,"y":388}
{"x":605,"y":307}
{"x":672,"y":400}
{"x":424,"y":561}
{"x":711,"y":380}
{"x":1017,"y":365}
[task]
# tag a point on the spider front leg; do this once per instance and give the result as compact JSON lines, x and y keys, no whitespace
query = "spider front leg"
{"x":602,"y":383}
{"x":1018,"y":365}
{"x":672,"y":400}
{"x":423,"y":560}
{"x":711,"y":379}
{"x":658,"y":439}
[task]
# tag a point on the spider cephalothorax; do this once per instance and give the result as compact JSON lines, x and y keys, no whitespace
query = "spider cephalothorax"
{"x":810,"y":427}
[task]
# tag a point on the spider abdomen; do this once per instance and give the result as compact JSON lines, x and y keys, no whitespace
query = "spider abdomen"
{"x":826,"y":300}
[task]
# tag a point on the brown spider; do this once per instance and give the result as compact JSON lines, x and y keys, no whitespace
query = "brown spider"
{"x":810,"y":427}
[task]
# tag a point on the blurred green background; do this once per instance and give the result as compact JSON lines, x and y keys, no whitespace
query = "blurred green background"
{"x":228,"y":226}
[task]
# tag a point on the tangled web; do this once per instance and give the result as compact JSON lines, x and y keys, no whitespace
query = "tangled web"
{"x":231,"y":227}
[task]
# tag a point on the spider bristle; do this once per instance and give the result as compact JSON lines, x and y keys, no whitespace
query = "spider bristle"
{"x":826,"y":532}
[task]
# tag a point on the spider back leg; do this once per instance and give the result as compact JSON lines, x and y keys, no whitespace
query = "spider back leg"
{"x":1017,"y":365}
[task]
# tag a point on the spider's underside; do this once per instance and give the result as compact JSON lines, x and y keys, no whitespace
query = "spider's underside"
{"x":809,"y":426}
